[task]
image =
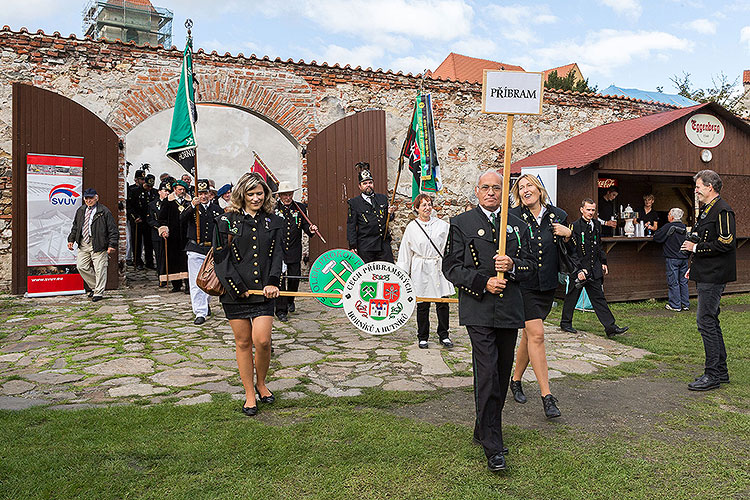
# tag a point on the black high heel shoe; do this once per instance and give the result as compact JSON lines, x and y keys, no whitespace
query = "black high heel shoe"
{"x":265,"y":399}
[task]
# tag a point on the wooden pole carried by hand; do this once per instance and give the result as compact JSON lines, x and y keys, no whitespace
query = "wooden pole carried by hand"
{"x":501,"y":232}
{"x":309,"y":222}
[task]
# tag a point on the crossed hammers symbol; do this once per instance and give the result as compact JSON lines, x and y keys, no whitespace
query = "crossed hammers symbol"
{"x":328,"y":268}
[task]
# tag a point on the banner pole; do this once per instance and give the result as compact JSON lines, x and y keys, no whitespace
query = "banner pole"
{"x":501,"y":231}
{"x":449,"y":300}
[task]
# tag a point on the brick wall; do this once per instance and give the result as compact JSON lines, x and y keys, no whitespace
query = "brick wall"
{"x":124,"y":84}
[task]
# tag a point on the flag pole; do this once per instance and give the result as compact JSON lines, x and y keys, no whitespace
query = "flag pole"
{"x":501,"y":232}
{"x":189,"y":26}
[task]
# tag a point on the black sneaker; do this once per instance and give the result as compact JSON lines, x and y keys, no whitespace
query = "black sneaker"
{"x":447,"y":343}
{"x":550,"y":406}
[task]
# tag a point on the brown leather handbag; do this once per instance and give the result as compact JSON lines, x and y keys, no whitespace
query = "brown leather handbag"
{"x":207,"y":279}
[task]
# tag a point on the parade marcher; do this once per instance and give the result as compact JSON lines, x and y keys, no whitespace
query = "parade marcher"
{"x":248,"y":256}
{"x":95,"y":232}
{"x":294,"y":224}
{"x":197,"y":250}
{"x":147,"y":195}
{"x":223,"y":196}
{"x":714,"y":265}
{"x":671,"y":235}
{"x":366,"y":220}
{"x":590,"y":254}
{"x":490,"y":307}
{"x":171,"y":226}
{"x":163,"y":176}
{"x":421,"y":255}
{"x":134,"y":255}
{"x":608,"y":211}
{"x":152,"y":219}
{"x":547,"y":224}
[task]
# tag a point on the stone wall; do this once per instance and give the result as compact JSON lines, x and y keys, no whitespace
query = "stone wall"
{"x":124,"y":84}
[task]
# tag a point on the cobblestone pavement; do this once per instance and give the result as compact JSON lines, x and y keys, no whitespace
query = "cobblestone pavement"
{"x":140,"y":345}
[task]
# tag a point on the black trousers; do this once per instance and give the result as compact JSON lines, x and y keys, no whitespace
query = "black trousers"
{"x":492,"y":351}
{"x":596,"y":296}
{"x":140,"y":243}
{"x":423,"y":320}
{"x":385,"y":255}
{"x":288,"y":284}
{"x":707,"y":317}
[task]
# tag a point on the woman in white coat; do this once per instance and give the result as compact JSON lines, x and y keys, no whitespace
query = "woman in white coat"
{"x":421,"y":255}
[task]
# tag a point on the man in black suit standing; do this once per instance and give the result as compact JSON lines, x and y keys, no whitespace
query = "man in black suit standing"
{"x":714,"y":265}
{"x":592,"y":260}
{"x":366,"y":221}
{"x":491,"y":308}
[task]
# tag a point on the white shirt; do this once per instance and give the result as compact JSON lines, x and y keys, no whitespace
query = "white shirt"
{"x":368,"y":199}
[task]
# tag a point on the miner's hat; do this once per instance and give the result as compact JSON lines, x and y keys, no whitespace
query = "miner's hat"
{"x":364,"y":171}
{"x":139,"y":174}
{"x":202,"y":185}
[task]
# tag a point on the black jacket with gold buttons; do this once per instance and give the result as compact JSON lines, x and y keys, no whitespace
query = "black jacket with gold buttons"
{"x":206,"y":220}
{"x":715,"y":259}
{"x":294,"y":224}
{"x":253,"y":260}
{"x":543,"y":245}
{"x":589,"y":251}
{"x":365,"y":223}
{"x":469,"y":263}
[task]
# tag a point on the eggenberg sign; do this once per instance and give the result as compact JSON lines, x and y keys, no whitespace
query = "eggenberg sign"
{"x":704,"y":131}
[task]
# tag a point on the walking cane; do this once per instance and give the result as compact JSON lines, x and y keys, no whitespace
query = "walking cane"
{"x":310,"y":222}
{"x":166,"y":259}
{"x":136,"y":252}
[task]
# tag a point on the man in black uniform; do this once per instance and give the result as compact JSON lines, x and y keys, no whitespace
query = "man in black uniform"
{"x":152,"y":219}
{"x":197,"y":250}
{"x":714,"y":265}
{"x":135,"y":220}
{"x":366,"y":221}
{"x":592,"y":262}
{"x":491,"y":308}
{"x":171,"y":226}
{"x":294,"y":223}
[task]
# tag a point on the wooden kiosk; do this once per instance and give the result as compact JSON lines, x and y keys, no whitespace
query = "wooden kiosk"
{"x":657,"y":154}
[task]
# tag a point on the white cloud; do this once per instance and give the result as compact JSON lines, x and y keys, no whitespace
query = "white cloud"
{"x":702,"y":26}
{"x":415,"y":65}
{"x":628,"y":8}
{"x":604,"y":51}
{"x":516,"y":21}
{"x":745,"y":36}
{"x":364,"y":55}
{"x":475,"y":47}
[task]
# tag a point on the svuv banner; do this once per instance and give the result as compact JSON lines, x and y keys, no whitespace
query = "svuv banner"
{"x":53,"y":194}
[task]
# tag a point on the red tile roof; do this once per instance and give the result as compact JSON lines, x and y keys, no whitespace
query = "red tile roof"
{"x":590,"y":146}
{"x":562,"y":71}
{"x":746,"y":76}
{"x":468,"y":69}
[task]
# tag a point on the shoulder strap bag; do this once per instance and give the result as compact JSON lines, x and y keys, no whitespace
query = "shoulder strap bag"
{"x":207,"y":279}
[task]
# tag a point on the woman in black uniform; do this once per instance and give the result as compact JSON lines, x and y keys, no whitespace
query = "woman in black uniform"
{"x":248,"y":254}
{"x":547,"y":224}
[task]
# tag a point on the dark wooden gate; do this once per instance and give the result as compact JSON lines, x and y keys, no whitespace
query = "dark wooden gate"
{"x":47,"y":123}
{"x":332,"y":177}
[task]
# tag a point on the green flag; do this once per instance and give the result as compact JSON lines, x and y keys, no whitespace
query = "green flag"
{"x":182,"y":144}
{"x":419,"y":148}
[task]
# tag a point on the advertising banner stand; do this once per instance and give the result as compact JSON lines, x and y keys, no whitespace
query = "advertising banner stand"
{"x":54,"y":187}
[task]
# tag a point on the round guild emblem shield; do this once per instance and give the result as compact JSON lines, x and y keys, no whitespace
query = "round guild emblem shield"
{"x":379,"y":298}
{"x":329,"y":273}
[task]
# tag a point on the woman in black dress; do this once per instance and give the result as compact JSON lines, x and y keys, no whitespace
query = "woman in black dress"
{"x":547,"y":224}
{"x":248,"y":255}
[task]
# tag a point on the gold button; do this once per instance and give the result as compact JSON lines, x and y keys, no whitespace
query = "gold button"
{"x":255,"y":237}
{"x":501,"y":295}
{"x":255,"y":272}
{"x":254,"y":247}
{"x":254,"y":229}
{"x":255,"y":263}
{"x":256,"y":281}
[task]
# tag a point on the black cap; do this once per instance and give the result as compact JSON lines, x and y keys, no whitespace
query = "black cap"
{"x":89,"y":193}
{"x":364,"y":171}
{"x":150,"y":179}
{"x":139,"y":174}
{"x":202,"y":185}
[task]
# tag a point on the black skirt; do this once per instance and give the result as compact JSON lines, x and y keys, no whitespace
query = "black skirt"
{"x":537,"y":304}
{"x":248,"y":310}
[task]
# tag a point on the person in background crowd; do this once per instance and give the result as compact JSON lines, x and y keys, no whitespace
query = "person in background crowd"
{"x":295,"y":224}
{"x":171,"y":227}
{"x":608,"y":212}
{"x":95,"y":232}
{"x":152,"y":219}
{"x":648,"y":215}
{"x":164,"y":176}
{"x":248,"y":256}
{"x":187,"y":179}
{"x":590,"y":254}
{"x":714,"y":265}
{"x":421,"y":255}
{"x":547,"y":224}
{"x":134,"y":255}
{"x":197,"y":250}
{"x":671,"y":235}
{"x":223,"y":196}
{"x":366,"y":220}
{"x":490,"y":307}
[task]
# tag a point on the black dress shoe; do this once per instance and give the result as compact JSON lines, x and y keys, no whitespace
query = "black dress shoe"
{"x":550,"y":406}
{"x":96,"y":298}
{"x":568,"y":329}
{"x":496,"y":463}
{"x":199,"y":320}
{"x":90,"y":293}
{"x":704,"y":383}
{"x":518,"y":394}
{"x":723,"y":379}
{"x":618,"y":330}
{"x":291,"y":307}
{"x":265,"y":399}
{"x":250,"y":411}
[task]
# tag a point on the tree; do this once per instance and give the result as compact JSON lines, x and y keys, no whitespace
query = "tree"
{"x":568,"y":82}
{"x":722,"y":91}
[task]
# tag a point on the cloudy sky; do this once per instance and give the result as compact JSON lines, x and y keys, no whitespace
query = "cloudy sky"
{"x":629,"y":43}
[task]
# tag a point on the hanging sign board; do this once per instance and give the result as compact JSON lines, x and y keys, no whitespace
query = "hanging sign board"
{"x":704,"y":131}
{"x":53,"y":194}
{"x":512,"y":92}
